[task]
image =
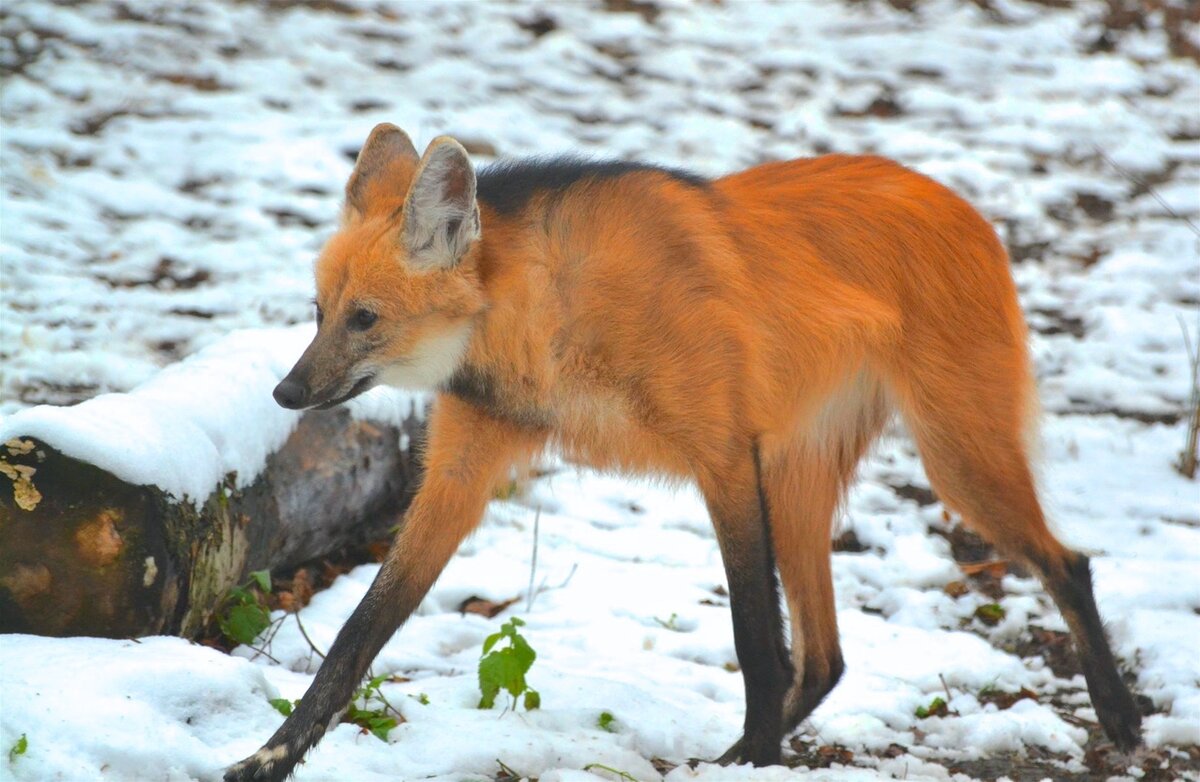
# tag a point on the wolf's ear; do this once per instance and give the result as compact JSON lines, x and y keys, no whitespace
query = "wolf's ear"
{"x":386,"y":145}
{"x":441,"y":218}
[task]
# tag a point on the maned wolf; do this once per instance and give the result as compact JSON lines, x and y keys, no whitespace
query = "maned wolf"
{"x":750,"y":333}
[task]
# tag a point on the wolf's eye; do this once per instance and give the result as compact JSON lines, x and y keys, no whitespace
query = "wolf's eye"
{"x":362,"y":319}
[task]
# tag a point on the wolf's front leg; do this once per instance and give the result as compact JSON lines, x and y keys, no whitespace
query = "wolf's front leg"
{"x":468,"y":454}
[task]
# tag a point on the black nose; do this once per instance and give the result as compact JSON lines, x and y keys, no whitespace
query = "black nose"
{"x":291,"y":394}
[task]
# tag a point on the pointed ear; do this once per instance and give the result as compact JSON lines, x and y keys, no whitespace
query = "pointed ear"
{"x":441,"y":218}
{"x":386,"y":144}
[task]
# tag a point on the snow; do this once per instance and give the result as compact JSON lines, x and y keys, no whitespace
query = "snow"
{"x":171,"y":169}
{"x":156,"y":703}
{"x":196,"y":422}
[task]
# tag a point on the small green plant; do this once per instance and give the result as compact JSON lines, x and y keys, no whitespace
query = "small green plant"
{"x":509,"y":490}
{"x":374,"y":719}
{"x":284,"y":706}
{"x":1002,"y":699}
{"x":671,"y":623}
{"x":421,"y":698}
{"x":937,"y":708}
{"x":605,"y":721}
{"x":991,"y":614}
{"x":624,"y":776}
{"x":244,"y":613}
{"x":18,"y":748}
{"x":505,"y":668}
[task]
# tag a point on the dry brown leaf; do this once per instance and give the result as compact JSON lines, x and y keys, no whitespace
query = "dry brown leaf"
{"x":483,"y":607}
{"x":956,"y":588}
{"x":996,"y":568}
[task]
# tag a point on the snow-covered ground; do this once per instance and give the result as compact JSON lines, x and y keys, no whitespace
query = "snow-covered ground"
{"x":170,"y":168}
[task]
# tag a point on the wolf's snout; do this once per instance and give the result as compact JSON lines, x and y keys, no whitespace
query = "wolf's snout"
{"x":291,"y":394}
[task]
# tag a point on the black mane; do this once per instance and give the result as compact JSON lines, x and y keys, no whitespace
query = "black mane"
{"x":508,"y":185}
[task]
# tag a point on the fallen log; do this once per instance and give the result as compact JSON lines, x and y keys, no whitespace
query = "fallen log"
{"x":102,"y":543}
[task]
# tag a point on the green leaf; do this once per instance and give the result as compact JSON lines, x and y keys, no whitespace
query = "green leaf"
{"x":605,"y":721}
{"x":489,"y":680}
{"x":523,"y":652}
{"x":372,"y":719}
{"x":505,"y":668}
{"x":991,"y":614}
{"x":282,"y":705}
{"x":263,"y":579}
{"x":243,"y":623}
{"x":381,"y":726}
{"x":240,"y":596}
{"x":423,"y":699}
{"x":937,"y":708}
{"x":18,"y":748}
{"x":500,"y":669}
{"x":491,"y":641}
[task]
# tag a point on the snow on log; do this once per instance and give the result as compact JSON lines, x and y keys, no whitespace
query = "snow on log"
{"x":132,"y":514}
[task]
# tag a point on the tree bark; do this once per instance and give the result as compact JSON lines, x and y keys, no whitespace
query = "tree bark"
{"x":84,"y":553}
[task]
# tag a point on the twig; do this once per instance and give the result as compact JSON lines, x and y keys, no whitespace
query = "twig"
{"x":273,"y":628}
{"x":623,"y":775}
{"x":537,"y":517}
{"x":507,"y":770}
{"x":267,"y":642}
{"x":311,"y":645}
{"x":387,"y":703}
{"x":566,"y":580}
{"x":543,"y":588}
{"x":1188,"y":456}
{"x":1067,"y":716}
{"x":1149,"y":190}
{"x":378,"y":693}
{"x":264,"y":653}
{"x":945,"y":687}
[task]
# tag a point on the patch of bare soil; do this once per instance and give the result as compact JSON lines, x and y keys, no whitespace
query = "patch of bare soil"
{"x":1102,"y":760}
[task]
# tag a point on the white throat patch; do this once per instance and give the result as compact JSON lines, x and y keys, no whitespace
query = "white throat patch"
{"x":431,"y":362}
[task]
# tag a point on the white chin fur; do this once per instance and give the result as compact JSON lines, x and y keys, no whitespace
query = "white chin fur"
{"x":431,"y":362}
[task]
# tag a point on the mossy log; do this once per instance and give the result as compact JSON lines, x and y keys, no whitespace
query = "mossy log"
{"x":84,"y":553}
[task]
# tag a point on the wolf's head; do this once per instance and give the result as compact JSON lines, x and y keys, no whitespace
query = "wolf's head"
{"x":397,"y":285}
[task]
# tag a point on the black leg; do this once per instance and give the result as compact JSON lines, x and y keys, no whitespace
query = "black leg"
{"x":1070,"y":584}
{"x":374,"y":621}
{"x":816,"y":683}
{"x":741,"y":519}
